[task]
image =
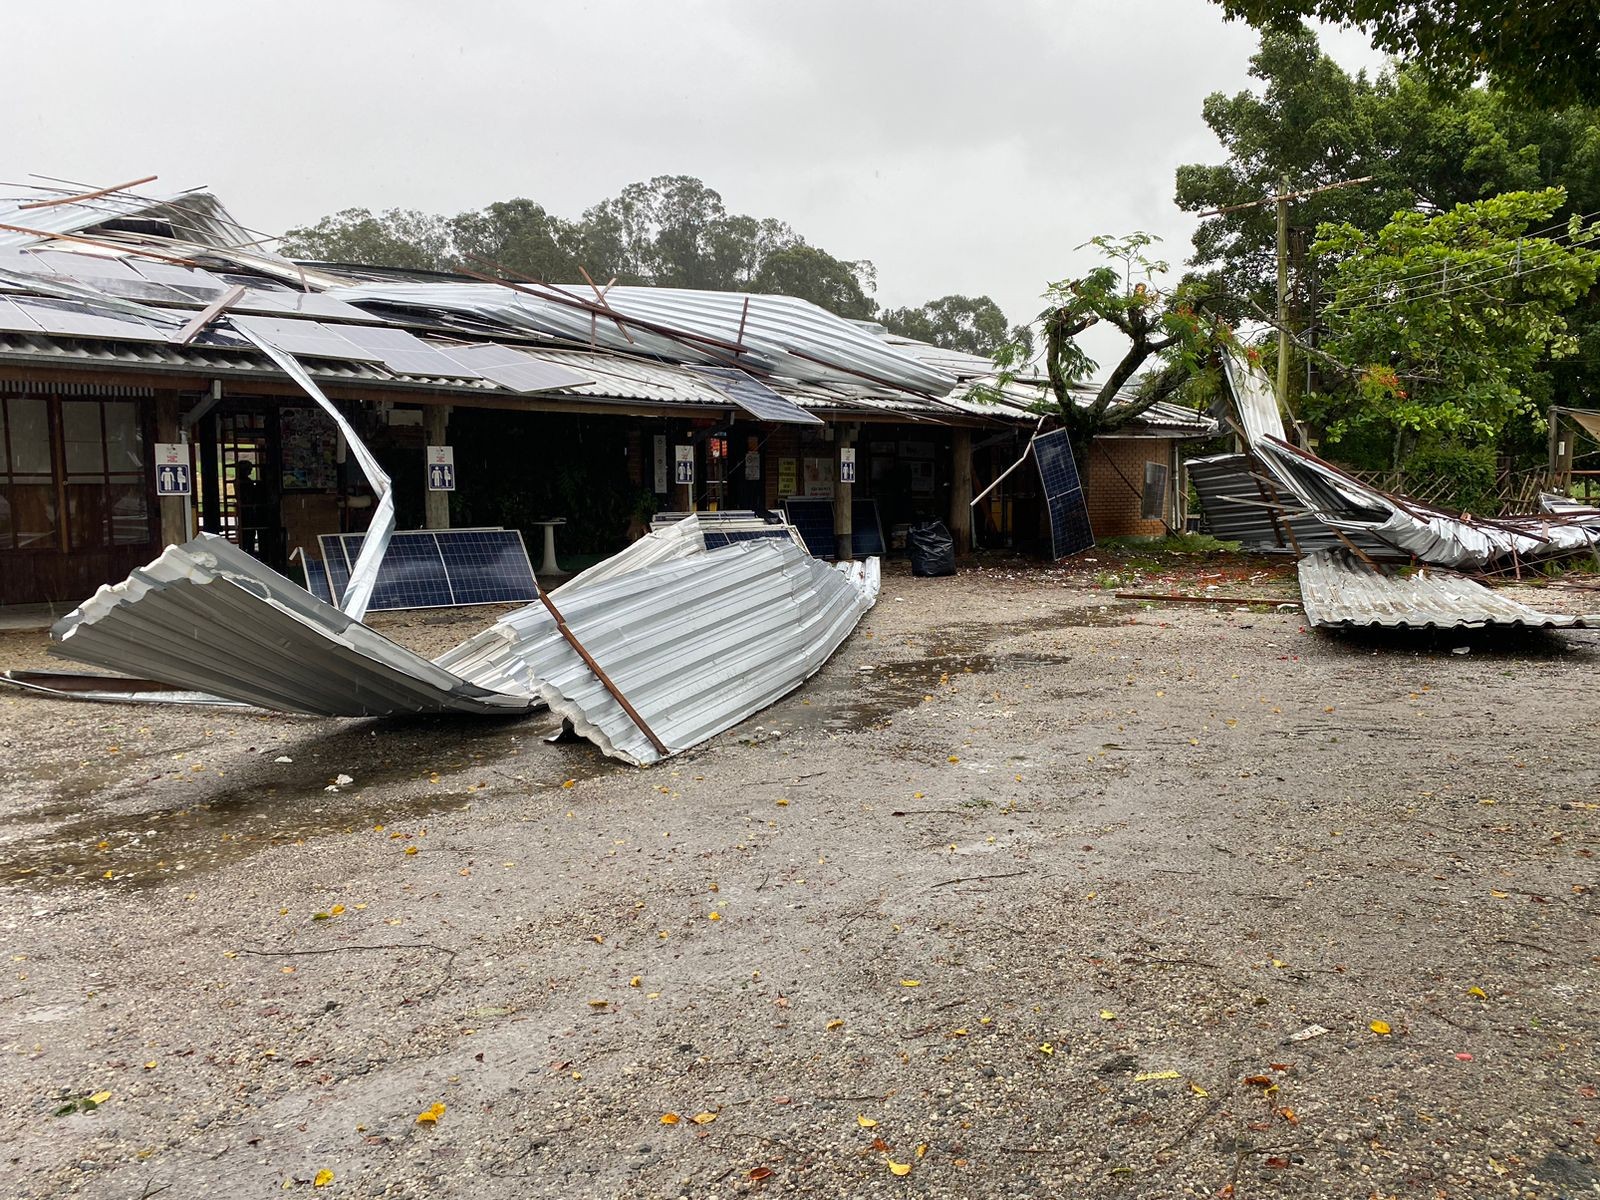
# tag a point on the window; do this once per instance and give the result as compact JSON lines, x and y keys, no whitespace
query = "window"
{"x":89,"y":454}
{"x":27,"y":483}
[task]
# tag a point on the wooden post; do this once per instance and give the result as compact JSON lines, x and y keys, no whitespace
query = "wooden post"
{"x":844,"y":501}
{"x":436,"y":505}
{"x":170,"y":509}
{"x":961,"y":491}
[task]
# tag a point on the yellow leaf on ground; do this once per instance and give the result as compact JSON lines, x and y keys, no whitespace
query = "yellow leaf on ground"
{"x":836,"y":1024}
{"x":865,"y":1121}
{"x":151,"y":1065}
{"x":1147,"y":1076}
{"x":569,"y":783}
{"x":598,"y":1003}
{"x":1379,"y":1027}
{"x":953,"y":758}
{"x":323,"y":1179}
{"x":100,"y":1097}
{"x":1107,"y":1015}
{"x":336,"y":910}
{"x":411,"y":849}
{"x":430,"y":1115}
{"x":703,"y":1118}
{"x":899,"y":1168}
{"x":635,"y":981}
{"x":713,"y":916}
{"x":1197,"y":1089}
{"x":670,"y":1118}
{"x":922,"y":1148}
{"x":1478,"y":992}
{"x":911,"y":983}
{"x":1046,"y":1048}
{"x":958,"y":1033}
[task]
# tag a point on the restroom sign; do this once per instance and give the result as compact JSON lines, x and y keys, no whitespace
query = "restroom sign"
{"x":847,"y":464}
{"x":684,"y":461}
{"x":172,"y":469}
{"x":441,"y":468}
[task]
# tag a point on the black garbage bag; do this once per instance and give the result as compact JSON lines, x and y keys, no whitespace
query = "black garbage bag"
{"x":933,"y":550}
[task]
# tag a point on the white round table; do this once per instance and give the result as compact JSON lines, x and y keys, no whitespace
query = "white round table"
{"x":550,"y":566}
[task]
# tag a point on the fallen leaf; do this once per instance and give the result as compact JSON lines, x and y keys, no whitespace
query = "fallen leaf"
{"x":713,"y":916}
{"x":759,"y":1173}
{"x":1463,"y":1057}
{"x":1278,"y":1161}
{"x":598,"y":1003}
{"x":911,"y":983}
{"x":323,"y":1178}
{"x":411,"y":849}
{"x":703,"y":1118}
{"x":958,"y":1033}
{"x":1197,"y":1089}
{"x":901,"y":1168}
{"x":922,"y":1148}
{"x":865,"y":1121}
{"x":1147,"y":1076}
{"x":1379,"y":1027}
{"x":879,"y":1144}
{"x":430,"y":1115}
{"x":1046,"y":1048}
{"x":835,"y":1024}
{"x":151,"y":1065}
{"x":1478,"y":992}
{"x":1107,"y":1015}
{"x":670,"y":1118}
{"x":953,"y":758}
{"x":336,"y":910}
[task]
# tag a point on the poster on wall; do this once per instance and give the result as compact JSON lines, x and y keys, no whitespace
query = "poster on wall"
{"x":308,"y":441}
{"x":661,"y":463}
{"x":752,"y":459}
{"x":788,"y":477}
{"x":819,"y":478}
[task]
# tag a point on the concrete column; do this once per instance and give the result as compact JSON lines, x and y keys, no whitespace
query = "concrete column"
{"x":436,"y":505}
{"x":844,"y":498}
{"x":174,"y":529}
{"x":961,"y":490}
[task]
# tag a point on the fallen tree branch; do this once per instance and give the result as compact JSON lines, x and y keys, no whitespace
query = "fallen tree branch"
{"x":978,"y":878}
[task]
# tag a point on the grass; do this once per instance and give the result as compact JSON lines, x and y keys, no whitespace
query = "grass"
{"x":1179,"y":543}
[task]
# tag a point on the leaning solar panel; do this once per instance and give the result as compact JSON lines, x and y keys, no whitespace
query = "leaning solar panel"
{"x":814,"y":520}
{"x":446,"y":568}
{"x":866,"y":530}
{"x":317,"y":578}
{"x":1063,"y":493}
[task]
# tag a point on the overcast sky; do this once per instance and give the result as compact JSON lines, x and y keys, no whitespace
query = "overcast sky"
{"x":960,"y":147}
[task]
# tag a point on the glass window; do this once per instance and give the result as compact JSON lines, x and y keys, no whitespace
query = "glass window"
{"x":80,"y":425}
{"x":124,"y":438}
{"x":29,"y":430}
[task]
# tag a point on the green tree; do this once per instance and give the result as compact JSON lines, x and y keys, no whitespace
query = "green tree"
{"x":518,"y":235}
{"x":811,"y":274}
{"x":1171,"y":337}
{"x":395,"y":238}
{"x":1547,"y":51}
{"x":974,"y":324}
{"x":1448,"y":318}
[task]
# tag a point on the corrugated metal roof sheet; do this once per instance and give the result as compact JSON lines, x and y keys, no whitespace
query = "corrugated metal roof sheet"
{"x":1236,"y":507}
{"x":195,"y":216}
{"x":1255,"y":398}
{"x":1339,"y":591}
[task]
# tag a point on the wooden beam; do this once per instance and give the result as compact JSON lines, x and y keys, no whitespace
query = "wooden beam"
{"x":81,"y":196}
{"x":207,"y":315}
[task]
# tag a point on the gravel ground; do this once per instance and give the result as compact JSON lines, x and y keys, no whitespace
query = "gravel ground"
{"x":1031,"y":893}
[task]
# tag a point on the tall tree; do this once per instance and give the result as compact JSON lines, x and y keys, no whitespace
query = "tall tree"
{"x":815,"y":275}
{"x":974,"y":324}
{"x":1447,"y":319}
{"x":1172,"y":339}
{"x":519,"y":235}
{"x":1547,"y":51}
{"x":397,"y":237}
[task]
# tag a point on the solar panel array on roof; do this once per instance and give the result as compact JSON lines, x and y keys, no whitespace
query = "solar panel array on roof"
{"x":513,"y":369}
{"x":445,"y":568}
{"x":814,"y":519}
{"x":1063,"y":493}
{"x":310,"y":338}
{"x":756,"y":398}
{"x":74,"y":318}
{"x":406,"y":354}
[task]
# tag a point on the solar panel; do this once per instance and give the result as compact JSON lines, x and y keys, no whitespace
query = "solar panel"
{"x":1063,"y":494}
{"x":73,"y":318}
{"x":513,"y":369}
{"x":756,"y":398}
{"x":317,"y":578}
{"x":814,"y":520}
{"x":406,"y":354}
{"x":306,"y":337}
{"x":866,"y":530}
{"x":445,"y":568}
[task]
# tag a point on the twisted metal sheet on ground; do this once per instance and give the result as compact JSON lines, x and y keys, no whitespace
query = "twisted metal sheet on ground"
{"x":1236,"y":508}
{"x":207,"y":617}
{"x":1340,"y":591}
{"x":696,"y":645}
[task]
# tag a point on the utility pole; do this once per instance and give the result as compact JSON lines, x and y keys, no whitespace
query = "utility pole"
{"x":1283,"y":288}
{"x":1282,"y":201}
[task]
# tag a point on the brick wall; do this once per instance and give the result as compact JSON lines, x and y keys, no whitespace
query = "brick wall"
{"x":1113,"y":505}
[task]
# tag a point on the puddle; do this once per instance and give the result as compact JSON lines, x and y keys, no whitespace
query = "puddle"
{"x":284,"y":803}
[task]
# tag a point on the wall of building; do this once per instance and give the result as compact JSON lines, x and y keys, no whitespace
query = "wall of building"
{"x":1114,"y":498}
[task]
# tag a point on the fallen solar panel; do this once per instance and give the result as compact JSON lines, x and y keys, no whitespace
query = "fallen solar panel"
{"x":813,"y":519}
{"x":428,"y":568}
{"x":696,"y":639}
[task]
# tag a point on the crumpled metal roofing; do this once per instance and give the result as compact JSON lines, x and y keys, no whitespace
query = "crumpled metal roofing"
{"x":696,"y":645}
{"x":1255,"y":398}
{"x":1430,"y":534}
{"x":779,"y":335}
{"x":1340,"y":591}
{"x":207,"y":617}
{"x":196,"y":216}
{"x":1236,"y":506}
